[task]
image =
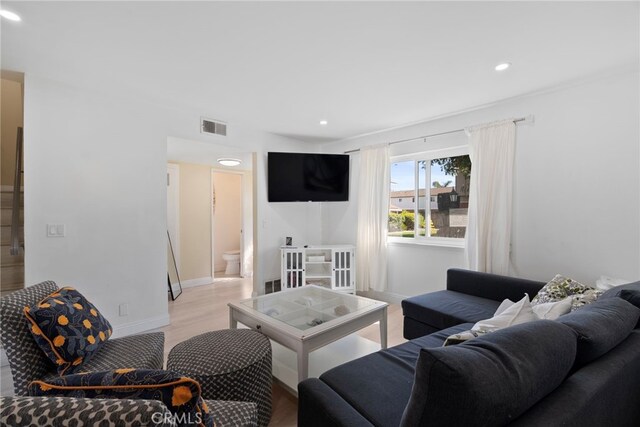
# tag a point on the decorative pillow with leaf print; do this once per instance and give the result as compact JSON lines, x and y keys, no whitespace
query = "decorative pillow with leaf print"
{"x":68,"y":328}
{"x":561,"y":287}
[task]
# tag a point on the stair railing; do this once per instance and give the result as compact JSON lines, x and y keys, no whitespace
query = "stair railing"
{"x":15,"y":213}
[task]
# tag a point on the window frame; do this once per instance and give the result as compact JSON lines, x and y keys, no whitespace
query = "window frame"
{"x":426,"y":156}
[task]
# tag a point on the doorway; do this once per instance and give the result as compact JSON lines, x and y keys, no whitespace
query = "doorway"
{"x":227,"y":213}
{"x":201,"y":205}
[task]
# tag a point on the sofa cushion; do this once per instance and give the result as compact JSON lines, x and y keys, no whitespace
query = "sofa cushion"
{"x":68,"y":328}
{"x":491,"y":286}
{"x":629,"y":292}
{"x":182,"y":396}
{"x":410,"y":350}
{"x":603,"y":393}
{"x":378,"y":385}
{"x":615,"y":291}
{"x":443,"y":309}
{"x":600,"y":327}
{"x":143,"y":351}
{"x":491,"y":380}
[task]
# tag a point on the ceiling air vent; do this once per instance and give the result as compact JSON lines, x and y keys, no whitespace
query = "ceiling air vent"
{"x":213,"y":127}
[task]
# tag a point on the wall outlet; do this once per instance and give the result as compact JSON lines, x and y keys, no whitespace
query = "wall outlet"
{"x":123,"y":309}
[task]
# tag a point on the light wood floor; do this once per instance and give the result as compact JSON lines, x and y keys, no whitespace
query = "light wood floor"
{"x":204,"y":308}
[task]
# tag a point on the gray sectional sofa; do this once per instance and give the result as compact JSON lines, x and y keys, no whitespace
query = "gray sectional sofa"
{"x":581,"y":370}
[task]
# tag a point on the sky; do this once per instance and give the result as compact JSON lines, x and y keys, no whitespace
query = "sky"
{"x":402,"y":176}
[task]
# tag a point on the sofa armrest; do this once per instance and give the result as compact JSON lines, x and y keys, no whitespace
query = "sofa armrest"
{"x":491,"y":286}
{"x":62,"y":411}
{"x":320,"y":406}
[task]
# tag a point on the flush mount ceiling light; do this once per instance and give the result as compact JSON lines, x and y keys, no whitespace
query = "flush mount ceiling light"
{"x":9,"y":15}
{"x":324,"y":122}
{"x":503,"y":66}
{"x":226,"y":161}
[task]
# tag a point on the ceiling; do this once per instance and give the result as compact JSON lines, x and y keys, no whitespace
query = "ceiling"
{"x":282,"y":67}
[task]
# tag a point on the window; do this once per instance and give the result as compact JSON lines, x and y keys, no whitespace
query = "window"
{"x":439,"y":182}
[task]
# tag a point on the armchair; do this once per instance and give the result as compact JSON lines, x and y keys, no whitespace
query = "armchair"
{"x":28,"y":362}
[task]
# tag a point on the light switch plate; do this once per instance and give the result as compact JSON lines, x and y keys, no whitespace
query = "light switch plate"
{"x":55,"y":230}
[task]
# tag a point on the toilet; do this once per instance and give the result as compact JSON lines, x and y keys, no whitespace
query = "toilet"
{"x":233,"y":262}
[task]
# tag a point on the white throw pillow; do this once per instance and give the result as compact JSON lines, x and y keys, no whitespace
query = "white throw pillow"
{"x":503,"y":306}
{"x":605,"y":283}
{"x":553,"y":310}
{"x":514,"y":314}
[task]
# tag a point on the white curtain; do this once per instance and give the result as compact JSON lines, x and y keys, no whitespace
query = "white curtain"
{"x":373,"y":214}
{"x":488,"y":239}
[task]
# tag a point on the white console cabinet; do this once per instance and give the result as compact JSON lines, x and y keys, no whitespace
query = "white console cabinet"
{"x":332,"y":267}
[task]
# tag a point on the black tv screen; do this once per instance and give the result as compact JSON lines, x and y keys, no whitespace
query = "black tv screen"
{"x":308,"y":177}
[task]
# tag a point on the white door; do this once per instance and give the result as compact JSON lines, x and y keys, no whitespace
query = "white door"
{"x":173,"y":210}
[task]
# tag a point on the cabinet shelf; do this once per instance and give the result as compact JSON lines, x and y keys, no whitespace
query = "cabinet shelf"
{"x":336,"y":271}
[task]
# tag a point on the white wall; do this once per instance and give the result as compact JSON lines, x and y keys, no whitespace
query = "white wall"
{"x":97,"y":164}
{"x":583,"y":147}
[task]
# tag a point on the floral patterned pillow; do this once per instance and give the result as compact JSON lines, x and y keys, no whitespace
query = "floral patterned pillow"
{"x":182,"y":396}
{"x":561,"y":287}
{"x":68,"y":328}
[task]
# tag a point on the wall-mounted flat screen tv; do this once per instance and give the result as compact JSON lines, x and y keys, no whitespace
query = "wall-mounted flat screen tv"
{"x":308,"y":177}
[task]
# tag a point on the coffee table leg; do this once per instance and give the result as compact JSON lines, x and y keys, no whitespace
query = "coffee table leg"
{"x":383,"y":329}
{"x":233,"y":323}
{"x":303,"y":363}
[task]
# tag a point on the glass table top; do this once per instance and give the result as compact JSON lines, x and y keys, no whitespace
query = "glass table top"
{"x":310,"y":306}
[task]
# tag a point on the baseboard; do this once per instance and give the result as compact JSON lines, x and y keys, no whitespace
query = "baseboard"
{"x":197,"y":282}
{"x":141,"y":326}
{"x":388,"y":297}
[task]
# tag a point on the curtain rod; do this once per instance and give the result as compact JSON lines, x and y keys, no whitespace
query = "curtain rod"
{"x":528,"y":119}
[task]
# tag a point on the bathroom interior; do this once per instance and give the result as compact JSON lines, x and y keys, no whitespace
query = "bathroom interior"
{"x":209,"y":212}
{"x":227,"y":223}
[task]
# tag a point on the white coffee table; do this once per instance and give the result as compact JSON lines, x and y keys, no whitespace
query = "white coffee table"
{"x":308,"y":318}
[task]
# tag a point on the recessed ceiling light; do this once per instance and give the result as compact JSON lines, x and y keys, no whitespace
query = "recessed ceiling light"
{"x":324,"y":122}
{"x":229,"y":162}
{"x":9,"y":15}
{"x":503,"y":66}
